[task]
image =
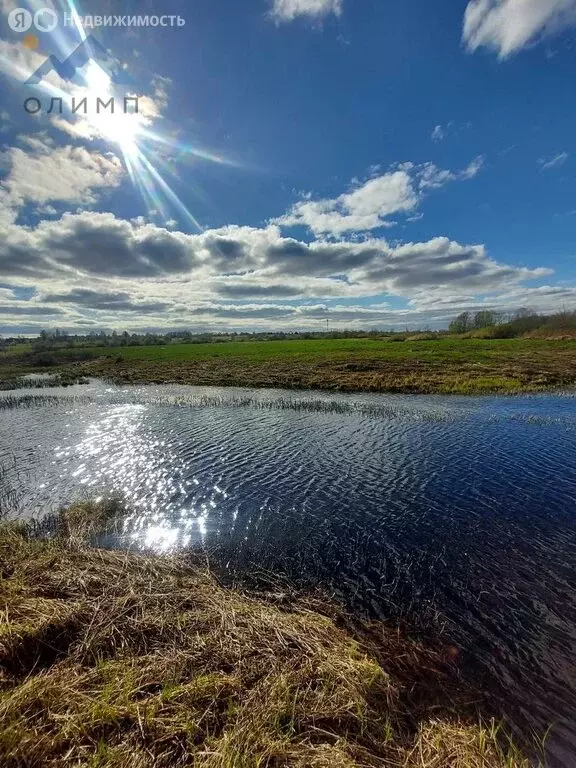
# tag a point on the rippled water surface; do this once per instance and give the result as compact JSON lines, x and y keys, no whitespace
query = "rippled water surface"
{"x":449,"y":510}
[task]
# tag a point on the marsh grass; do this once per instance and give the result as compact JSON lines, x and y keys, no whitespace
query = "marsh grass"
{"x":42,"y":381}
{"x":9,"y":402}
{"x":424,"y":363}
{"x":113,"y":659}
{"x":441,"y":365}
{"x":193,"y":400}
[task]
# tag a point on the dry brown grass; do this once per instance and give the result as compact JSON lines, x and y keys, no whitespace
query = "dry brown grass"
{"x":116,"y":660}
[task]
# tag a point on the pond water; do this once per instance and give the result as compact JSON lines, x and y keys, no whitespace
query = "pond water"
{"x":453,"y":512}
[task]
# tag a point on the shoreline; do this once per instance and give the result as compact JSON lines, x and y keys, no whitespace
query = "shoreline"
{"x":117,"y":659}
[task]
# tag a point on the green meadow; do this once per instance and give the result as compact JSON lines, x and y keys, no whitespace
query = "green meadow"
{"x":419,"y":364}
{"x":443,"y":349}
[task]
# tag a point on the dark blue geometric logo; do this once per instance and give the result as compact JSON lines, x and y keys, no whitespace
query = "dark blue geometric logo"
{"x":89,"y":49}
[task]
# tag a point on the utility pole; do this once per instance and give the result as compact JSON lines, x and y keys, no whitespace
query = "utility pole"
{"x":327,"y":325}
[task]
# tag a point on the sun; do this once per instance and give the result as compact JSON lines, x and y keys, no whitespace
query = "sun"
{"x":96,"y":78}
{"x":121,"y":128}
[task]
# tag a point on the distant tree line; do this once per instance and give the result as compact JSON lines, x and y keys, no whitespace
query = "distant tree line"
{"x":473,"y":321}
{"x":511,"y":324}
{"x":57,"y":339}
{"x":485,"y":323}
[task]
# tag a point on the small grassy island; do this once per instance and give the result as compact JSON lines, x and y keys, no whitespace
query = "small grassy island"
{"x":114,"y":659}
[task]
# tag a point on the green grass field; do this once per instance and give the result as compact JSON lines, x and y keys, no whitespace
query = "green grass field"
{"x":15,"y":351}
{"x":443,"y":349}
{"x":444,"y":364}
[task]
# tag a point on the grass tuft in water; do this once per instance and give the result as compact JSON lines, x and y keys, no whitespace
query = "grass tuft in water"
{"x":42,"y":381}
{"x":194,"y":400}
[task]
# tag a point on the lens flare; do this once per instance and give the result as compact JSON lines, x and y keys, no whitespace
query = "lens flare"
{"x":145,"y":152}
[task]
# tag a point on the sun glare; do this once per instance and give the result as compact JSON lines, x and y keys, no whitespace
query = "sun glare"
{"x":109,"y":117}
{"x":96,"y":78}
{"x":122,"y":128}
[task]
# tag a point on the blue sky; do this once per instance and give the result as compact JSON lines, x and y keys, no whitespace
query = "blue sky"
{"x":376,"y":163}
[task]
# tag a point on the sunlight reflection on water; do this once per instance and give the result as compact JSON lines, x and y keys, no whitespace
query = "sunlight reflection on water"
{"x":117,"y":452}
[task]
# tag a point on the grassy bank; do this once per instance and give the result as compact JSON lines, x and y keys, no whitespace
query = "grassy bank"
{"x":440,"y":364}
{"x":111,"y":659}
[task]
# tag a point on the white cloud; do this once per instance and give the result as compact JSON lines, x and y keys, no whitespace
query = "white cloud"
{"x":371,"y":204}
{"x":239,"y":262}
{"x":71,"y":174}
{"x":19,"y":62}
{"x":438,"y":134}
{"x":8,"y":213}
{"x":366,"y":207}
{"x":288,"y":10}
{"x":39,"y":142}
{"x":95,"y":270}
{"x":46,"y":210}
{"x":506,"y":26}
{"x":432,"y":177}
{"x":547,"y":163}
{"x":473,"y":169}
{"x":161,"y":85}
{"x":80,"y":129}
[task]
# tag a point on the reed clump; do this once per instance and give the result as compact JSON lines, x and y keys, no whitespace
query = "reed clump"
{"x":116,"y":660}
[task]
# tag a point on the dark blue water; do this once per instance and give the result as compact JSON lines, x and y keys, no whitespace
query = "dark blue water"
{"x":456,"y":513}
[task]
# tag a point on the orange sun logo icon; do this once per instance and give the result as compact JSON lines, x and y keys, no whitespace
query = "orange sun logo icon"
{"x":31,"y":42}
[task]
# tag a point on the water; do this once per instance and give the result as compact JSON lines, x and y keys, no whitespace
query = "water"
{"x":456,"y":513}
